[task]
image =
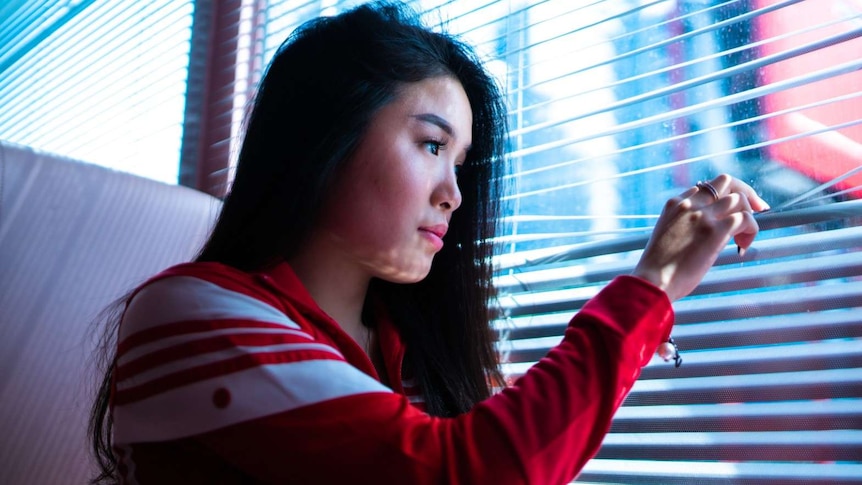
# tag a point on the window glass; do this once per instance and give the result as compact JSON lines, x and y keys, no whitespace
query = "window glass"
{"x":101,"y":81}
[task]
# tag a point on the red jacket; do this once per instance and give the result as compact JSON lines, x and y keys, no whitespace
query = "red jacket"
{"x":231,"y":377}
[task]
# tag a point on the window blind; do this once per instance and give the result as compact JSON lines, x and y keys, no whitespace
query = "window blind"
{"x":771,"y":348}
{"x":98,"y":80}
{"x":616,"y":105}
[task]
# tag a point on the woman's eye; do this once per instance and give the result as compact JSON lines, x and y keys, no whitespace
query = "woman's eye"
{"x":434,"y":147}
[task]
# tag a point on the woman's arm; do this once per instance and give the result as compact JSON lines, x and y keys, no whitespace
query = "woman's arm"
{"x":286,"y":409}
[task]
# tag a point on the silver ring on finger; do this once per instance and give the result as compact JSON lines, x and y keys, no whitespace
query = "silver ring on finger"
{"x":702,"y":185}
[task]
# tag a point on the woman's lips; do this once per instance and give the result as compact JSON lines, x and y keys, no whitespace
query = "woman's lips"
{"x":434,"y":234}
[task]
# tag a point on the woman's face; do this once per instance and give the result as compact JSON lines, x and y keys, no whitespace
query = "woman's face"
{"x":391,"y":204}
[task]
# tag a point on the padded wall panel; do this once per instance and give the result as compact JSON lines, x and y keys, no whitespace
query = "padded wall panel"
{"x":73,"y":238}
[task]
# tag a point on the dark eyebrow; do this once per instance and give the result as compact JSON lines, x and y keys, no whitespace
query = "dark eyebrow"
{"x":436,"y":121}
{"x":439,"y":122}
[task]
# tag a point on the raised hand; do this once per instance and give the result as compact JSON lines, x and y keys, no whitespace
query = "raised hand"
{"x":693,"y":228}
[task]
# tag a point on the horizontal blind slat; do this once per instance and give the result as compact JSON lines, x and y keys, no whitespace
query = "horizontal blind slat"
{"x":717,"y":473}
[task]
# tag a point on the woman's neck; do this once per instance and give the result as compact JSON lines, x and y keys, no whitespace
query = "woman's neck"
{"x":338,"y":289}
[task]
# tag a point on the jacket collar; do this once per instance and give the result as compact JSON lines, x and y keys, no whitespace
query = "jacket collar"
{"x":283,"y":279}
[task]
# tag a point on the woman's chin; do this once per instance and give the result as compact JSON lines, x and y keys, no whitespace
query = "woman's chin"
{"x":405,"y":275}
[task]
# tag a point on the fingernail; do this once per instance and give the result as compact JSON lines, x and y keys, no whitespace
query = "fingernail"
{"x":740,"y":251}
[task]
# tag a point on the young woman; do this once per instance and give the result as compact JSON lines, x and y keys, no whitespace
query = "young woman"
{"x":335,"y":327}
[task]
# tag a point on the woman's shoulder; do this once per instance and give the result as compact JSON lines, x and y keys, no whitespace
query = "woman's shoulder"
{"x":202,"y":292}
{"x":213,"y":272}
{"x":201,"y":348}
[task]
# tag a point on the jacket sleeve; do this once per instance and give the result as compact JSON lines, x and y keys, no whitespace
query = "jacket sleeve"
{"x":340,"y":426}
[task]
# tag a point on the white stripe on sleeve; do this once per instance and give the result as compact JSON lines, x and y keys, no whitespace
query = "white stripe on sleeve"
{"x":253,"y":393}
{"x":202,"y":360}
{"x":183,"y":298}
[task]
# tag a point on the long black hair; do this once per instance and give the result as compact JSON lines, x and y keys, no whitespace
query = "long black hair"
{"x":312,"y":108}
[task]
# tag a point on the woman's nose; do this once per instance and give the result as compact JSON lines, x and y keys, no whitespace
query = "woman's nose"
{"x":447,"y":194}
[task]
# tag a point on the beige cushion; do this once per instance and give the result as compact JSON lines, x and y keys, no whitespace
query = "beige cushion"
{"x":73,"y":237}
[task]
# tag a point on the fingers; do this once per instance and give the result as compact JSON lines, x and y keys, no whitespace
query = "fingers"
{"x":746,"y":231}
{"x":704,"y":194}
{"x":692,"y":230}
{"x":726,"y":185}
{"x":733,"y":204}
{"x":730,"y":204}
{"x":742,"y":226}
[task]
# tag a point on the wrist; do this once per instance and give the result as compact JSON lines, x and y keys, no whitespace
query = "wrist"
{"x":654,"y":278}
